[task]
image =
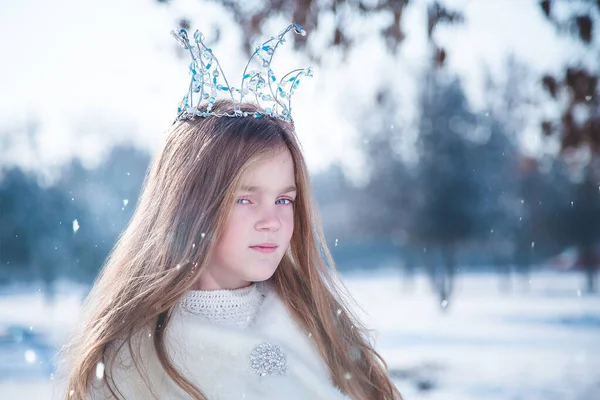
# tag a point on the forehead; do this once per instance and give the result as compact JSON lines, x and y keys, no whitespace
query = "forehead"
{"x":275,"y":169}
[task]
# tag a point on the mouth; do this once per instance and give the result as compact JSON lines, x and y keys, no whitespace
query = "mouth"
{"x":265,"y":247}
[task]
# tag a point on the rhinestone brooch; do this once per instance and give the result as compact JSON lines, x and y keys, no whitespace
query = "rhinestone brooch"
{"x":267,"y":359}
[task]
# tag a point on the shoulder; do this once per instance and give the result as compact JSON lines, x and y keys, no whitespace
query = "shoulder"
{"x":132,"y":370}
{"x":276,"y":323}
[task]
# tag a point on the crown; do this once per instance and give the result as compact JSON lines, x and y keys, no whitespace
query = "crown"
{"x":208,"y":80}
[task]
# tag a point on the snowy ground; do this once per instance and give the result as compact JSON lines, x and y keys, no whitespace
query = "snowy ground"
{"x":542,"y":343}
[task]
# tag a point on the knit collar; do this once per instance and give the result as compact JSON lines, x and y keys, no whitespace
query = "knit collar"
{"x":237,"y":307}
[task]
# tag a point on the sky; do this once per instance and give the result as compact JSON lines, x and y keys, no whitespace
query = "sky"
{"x":94,"y":74}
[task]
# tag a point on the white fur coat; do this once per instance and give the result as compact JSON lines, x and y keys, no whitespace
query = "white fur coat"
{"x":217,"y":360}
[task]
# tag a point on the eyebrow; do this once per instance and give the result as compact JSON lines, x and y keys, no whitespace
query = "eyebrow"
{"x":253,"y":189}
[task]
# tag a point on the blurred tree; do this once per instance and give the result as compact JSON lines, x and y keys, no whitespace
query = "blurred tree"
{"x":454,"y":193}
{"x":35,"y":230}
{"x":334,"y":192}
{"x":583,"y":226}
{"x":578,"y":128}
{"x":423,"y":202}
{"x":17,"y":195}
{"x":509,"y":99}
{"x":439,"y":15}
{"x":252,"y":16}
{"x":68,"y":229}
{"x":544,"y":190}
{"x":383,"y":206}
{"x":448,"y":197}
{"x":109,"y":193}
{"x":451,"y":195}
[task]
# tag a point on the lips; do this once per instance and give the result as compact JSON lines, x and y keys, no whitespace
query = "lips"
{"x":265,"y":247}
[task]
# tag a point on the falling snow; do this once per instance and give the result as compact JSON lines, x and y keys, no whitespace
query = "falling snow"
{"x":100,"y":370}
{"x":30,"y":356}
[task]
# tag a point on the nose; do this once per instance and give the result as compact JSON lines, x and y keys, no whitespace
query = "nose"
{"x":268,"y":221}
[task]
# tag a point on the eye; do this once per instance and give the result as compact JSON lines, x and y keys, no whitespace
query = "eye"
{"x":284,"y":201}
{"x":243,"y":201}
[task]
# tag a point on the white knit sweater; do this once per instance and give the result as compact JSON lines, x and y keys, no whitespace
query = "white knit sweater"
{"x":236,"y":308}
{"x":239,"y":344}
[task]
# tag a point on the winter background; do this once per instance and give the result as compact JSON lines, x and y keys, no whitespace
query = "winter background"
{"x":454,"y":151}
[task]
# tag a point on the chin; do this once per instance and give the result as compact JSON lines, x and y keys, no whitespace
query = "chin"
{"x":263,"y":275}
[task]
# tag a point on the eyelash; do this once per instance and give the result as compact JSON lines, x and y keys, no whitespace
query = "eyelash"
{"x":238,"y":201}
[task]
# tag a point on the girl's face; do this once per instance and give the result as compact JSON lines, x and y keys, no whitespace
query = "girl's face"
{"x":258,"y":231}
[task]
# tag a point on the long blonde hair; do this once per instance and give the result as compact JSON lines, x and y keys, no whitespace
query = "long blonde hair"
{"x":184,"y":204}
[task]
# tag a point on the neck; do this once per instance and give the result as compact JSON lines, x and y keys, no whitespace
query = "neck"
{"x":208,"y":281}
{"x":237,"y":307}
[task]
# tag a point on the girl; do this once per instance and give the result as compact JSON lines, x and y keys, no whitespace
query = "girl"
{"x":222,"y":286}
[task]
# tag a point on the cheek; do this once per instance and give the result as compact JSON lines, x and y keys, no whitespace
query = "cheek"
{"x":234,"y":231}
{"x":288,"y":222}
